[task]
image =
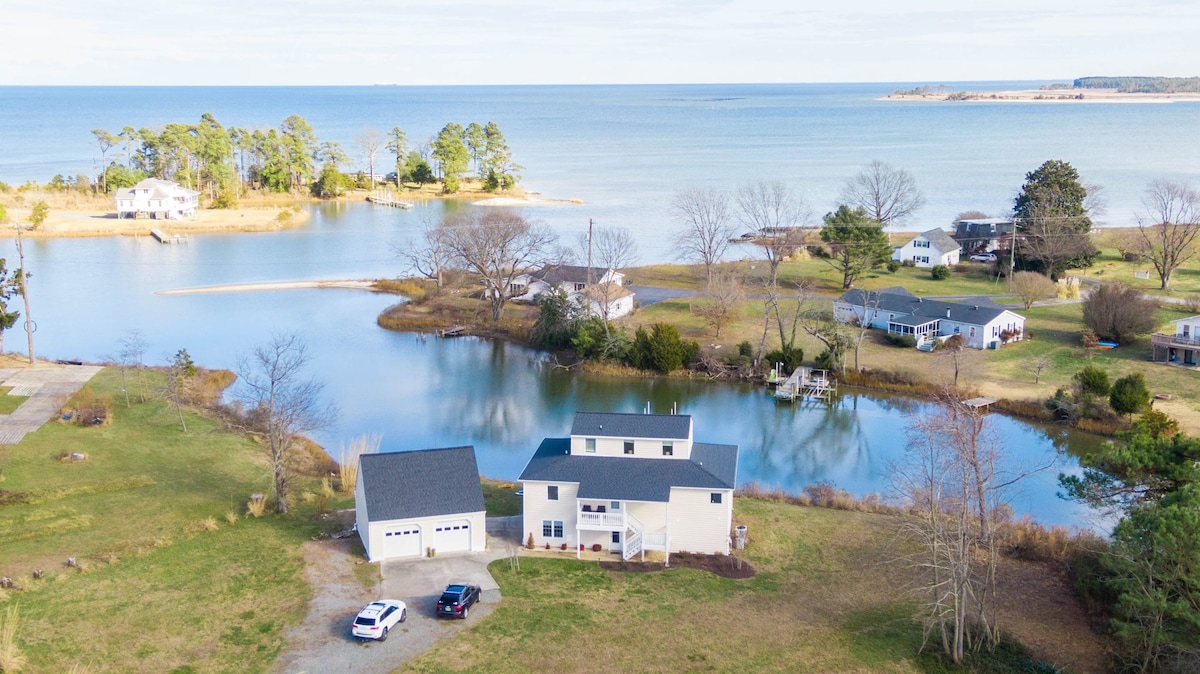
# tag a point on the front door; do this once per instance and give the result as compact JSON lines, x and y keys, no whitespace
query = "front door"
{"x":615,"y":544}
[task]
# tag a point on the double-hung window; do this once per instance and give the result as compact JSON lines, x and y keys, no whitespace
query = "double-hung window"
{"x":552,"y":528}
{"x":552,"y":492}
{"x":589,"y":445}
{"x":629,"y":446}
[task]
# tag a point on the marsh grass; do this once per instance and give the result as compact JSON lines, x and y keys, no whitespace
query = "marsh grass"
{"x":348,"y":455}
{"x":11,"y":657}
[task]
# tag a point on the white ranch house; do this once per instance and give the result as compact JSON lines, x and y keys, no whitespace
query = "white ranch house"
{"x":1180,"y":348}
{"x":157,"y":199}
{"x":606,"y":286}
{"x":409,"y":502}
{"x":929,"y":249}
{"x":630,"y":483}
{"x":982,"y":323}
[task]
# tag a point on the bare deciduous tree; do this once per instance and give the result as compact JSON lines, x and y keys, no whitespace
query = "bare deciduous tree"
{"x":428,"y":255}
{"x":133,"y":351}
{"x":777,"y":216}
{"x":862,"y":323}
{"x":370,"y":141}
{"x":498,"y":245}
{"x":1168,"y":227}
{"x":1031,"y":286}
{"x":1052,"y":241}
{"x":610,"y":248}
{"x":886,"y":193}
{"x":707,"y":226}
{"x":954,"y":348}
{"x":281,"y":404}
{"x":719,"y":299}
{"x":953,"y":481}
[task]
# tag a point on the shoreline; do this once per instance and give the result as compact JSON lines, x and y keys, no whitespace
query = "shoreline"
{"x":1071,"y":95}
{"x":347,"y":284}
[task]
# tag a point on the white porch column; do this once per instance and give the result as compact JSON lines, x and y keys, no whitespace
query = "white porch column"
{"x":578,"y":534}
{"x":667,"y":552}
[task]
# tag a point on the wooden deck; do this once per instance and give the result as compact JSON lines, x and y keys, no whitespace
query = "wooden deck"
{"x":163,"y":237}
{"x":389,"y":200}
{"x":456,"y":331}
{"x":805,"y":382}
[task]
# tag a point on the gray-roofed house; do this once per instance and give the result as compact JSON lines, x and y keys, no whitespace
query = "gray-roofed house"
{"x":983,"y":235}
{"x":631,"y":483}
{"x":929,"y":249}
{"x":407,"y":503}
{"x":158,"y":199}
{"x":982,"y":323}
{"x":601,"y":291}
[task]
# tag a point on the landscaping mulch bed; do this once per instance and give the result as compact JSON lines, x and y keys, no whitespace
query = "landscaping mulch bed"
{"x":721,"y":565}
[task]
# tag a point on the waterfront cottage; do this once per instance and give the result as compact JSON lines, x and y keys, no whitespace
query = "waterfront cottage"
{"x":157,"y":199}
{"x":601,"y":292}
{"x":928,"y":249}
{"x":982,"y":323}
{"x":630,"y":483}
{"x":409,"y":503}
{"x":1180,"y":348}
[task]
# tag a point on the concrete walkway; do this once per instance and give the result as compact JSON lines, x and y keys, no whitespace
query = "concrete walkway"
{"x":48,"y":387}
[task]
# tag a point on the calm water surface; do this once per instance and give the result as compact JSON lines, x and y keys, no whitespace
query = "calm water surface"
{"x":418,"y":393}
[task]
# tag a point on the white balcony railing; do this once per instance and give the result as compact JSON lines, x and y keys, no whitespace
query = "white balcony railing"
{"x":605,"y":521}
{"x":1161,"y":339}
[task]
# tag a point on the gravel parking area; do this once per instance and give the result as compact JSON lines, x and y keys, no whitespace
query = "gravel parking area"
{"x":322,"y":642}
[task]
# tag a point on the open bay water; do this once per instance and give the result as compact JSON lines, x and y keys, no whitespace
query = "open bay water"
{"x":622,"y":150}
{"x":625,"y":150}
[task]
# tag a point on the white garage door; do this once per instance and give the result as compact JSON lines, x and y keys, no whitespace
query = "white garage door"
{"x":452,"y":536}
{"x":402,"y":541}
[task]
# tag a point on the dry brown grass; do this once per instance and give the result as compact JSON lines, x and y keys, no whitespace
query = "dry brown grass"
{"x":257,"y":505}
{"x":348,"y":459}
{"x":11,"y":658}
{"x":231,"y":517}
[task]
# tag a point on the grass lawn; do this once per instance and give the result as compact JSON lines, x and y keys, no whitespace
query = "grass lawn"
{"x":157,"y":590}
{"x":8,"y":404}
{"x":828,"y":597}
{"x":500,"y":498}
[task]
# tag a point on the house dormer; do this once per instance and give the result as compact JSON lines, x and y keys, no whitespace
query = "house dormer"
{"x":644,"y":436}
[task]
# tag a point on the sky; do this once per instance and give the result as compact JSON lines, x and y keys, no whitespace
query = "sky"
{"x":362,"y":42}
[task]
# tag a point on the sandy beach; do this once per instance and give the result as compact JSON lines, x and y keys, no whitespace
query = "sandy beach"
{"x":1043,"y":96}
{"x":66,"y":223}
{"x":349,"y":284}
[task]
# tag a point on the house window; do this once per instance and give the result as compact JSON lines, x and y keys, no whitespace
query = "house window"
{"x":616,"y":537}
{"x":629,"y":446}
{"x":552,"y":528}
{"x":668,"y":449}
{"x":1186,"y":328}
{"x":615,"y":505}
{"x":552,"y":492}
{"x":714,"y":497}
{"x":589,"y":445}
{"x":972,"y":331}
{"x":920,"y":243}
{"x":579,"y":287}
{"x":558,"y":529}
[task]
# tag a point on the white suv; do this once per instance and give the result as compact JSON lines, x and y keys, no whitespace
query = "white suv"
{"x":374,"y":621}
{"x":983,"y":257}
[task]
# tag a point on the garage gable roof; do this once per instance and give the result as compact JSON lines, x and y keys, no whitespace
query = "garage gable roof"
{"x":622,"y":478}
{"x":420,"y":483}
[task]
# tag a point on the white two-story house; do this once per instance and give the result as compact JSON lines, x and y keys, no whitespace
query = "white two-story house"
{"x":158,"y":199}
{"x":929,"y":249}
{"x":630,"y":483}
{"x":1180,"y":348}
{"x":601,"y":292}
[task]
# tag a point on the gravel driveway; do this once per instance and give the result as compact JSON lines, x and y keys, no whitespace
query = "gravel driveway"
{"x":322,"y":642}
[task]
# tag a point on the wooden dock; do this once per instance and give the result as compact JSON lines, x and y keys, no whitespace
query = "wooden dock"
{"x":162,"y":237}
{"x":806,"y":382}
{"x":389,"y":200}
{"x":456,"y":331}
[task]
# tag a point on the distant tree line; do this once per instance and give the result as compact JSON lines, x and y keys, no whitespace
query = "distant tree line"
{"x":222,"y":162}
{"x":1142,"y":85}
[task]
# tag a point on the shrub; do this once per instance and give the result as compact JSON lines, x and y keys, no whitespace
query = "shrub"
{"x":1129,"y":394}
{"x":1093,"y":381}
{"x":791,"y":358}
{"x":662,"y":349}
{"x":11,"y":658}
{"x":1119,"y":313}
{"x":257,"y":505}
{"x":746,"y":349}
{"x":231,"y":517}
{"x":893,"y":266}
{"x":909,"y":263}
{"x":940,"y":272}
{"x":906,"y":341}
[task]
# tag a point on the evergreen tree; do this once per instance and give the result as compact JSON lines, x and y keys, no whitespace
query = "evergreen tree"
{"x":857,"y":242}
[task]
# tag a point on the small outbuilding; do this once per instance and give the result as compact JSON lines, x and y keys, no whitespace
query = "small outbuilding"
{"x":409,"y":503}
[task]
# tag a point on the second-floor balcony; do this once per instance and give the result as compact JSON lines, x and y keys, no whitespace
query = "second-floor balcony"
{"x":601,"y":521}
{"x":1163,"y":339}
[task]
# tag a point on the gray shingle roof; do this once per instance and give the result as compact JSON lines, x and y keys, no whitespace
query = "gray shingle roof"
{"x":567,"y":273}
{"x":613,"y":425}
{"x":973,"y":311}
{"x":940,"y":239}
{"x":620,"y":478}
{"x":421,"y":483}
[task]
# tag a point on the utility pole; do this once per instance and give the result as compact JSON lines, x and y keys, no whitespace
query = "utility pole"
{"x":25,"y":292}
{"x":589,"y":271}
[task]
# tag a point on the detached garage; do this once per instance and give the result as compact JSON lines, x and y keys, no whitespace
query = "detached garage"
{"x":409,"y":502}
